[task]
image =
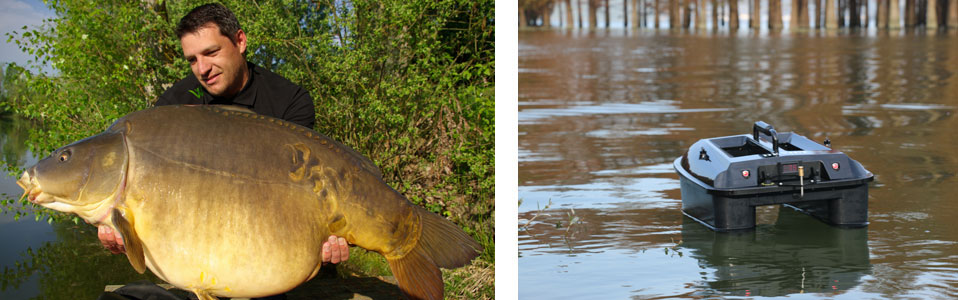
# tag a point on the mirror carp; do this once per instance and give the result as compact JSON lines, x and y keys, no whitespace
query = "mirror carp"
{"x":222,"y":201}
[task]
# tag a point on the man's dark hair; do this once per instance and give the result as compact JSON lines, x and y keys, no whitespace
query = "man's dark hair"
{"x":202,"y":15}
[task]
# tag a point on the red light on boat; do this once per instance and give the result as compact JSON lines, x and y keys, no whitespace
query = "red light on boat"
{"x":745,"y":173}
{"x":835,"y":166}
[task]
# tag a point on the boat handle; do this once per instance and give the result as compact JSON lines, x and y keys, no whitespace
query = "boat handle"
{"x":762,"y":127}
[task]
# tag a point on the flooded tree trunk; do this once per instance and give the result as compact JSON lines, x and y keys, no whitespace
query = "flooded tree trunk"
{"x":686,"y":13}
{"x":854,"y":17}
{"x":803,"y":12}
{"x":578,"y":11}
{"x":795,"y":20}
{"x":678,"y":4}
{"x":568,"y":14}
{"x":644,"y":15}
{"x":625,"y":13}
{"x":593,"y":18}
{"x":774,"y":14}
{"x":700,"y":14}
{"x":931,"y":17}
{"x":881,"y":17}
{"x":894,"y":14}
{"x":674,"y":14}
{"x":952,"y":13}
{"x":733,"y":14}
{"x":647,"y":11}
{"x":819,"y":13}
{"x":911,"y":17}
{"x":948,"y":13}
{"x":756,"y":14}
{"x":831,"y":14}
{"x":715,"y":14}
{"x":636,"y":14}
{"x":522,"y":18}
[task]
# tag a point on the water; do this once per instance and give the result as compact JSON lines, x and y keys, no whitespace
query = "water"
{"x":603,"y":114}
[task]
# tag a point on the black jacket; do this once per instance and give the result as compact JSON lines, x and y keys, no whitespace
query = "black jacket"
{"x":266,"y":93}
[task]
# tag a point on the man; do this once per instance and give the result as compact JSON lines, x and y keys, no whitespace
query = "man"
{"x":215,"y":46}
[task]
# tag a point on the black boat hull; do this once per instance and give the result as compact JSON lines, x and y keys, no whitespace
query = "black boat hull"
{"x":842,"y":203}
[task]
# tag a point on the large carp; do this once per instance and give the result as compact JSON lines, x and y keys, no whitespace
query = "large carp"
{"x":221,"y":201}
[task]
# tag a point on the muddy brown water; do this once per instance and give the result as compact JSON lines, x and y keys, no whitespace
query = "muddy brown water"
{"x":602,"y":115}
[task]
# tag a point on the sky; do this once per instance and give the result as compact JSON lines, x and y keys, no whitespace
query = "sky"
{"x":14,"y":14}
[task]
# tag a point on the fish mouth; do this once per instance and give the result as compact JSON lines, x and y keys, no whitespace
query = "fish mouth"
{"x":31,"y":188}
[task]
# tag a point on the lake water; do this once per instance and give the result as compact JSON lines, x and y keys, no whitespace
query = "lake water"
{"x":602,"y":115}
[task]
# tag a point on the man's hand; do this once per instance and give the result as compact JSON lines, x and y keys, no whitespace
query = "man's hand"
{"x":335,"y":250}
{"x":110,"y":239}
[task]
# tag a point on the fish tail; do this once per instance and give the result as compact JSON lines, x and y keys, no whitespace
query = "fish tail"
{"x":440,"y":244}
{"x":418,"y":276}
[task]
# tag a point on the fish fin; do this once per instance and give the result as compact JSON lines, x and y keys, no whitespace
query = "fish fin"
{"x":234,"y":108}
{"x":134,"y":248}
{"x":418,"y":276}
{"x":440,"y":244}
{"x":444,"y":242}
{"x":203,"y":295}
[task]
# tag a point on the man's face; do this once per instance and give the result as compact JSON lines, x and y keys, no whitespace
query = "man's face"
{"x":216,"y":61}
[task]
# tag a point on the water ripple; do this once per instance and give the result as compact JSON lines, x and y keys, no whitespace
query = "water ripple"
{"x":529,"y":116}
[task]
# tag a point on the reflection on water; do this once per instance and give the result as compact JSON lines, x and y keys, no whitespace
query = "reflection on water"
{"x":71,"y":264}
{"x":793,"y":254}
{"x":602,"y":114}
{"x":23,"y":235}
{"x":19,"y":237}
{"x":13,"y":150}
{"x":798,"y":254}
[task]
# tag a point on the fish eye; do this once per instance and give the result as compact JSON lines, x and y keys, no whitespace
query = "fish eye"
{"x":64,"y":156}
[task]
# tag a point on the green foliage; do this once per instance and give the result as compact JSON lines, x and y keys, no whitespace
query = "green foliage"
{"x":112,"y":58}
{"x":367,"y":262}
{"x":407,"y":83}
